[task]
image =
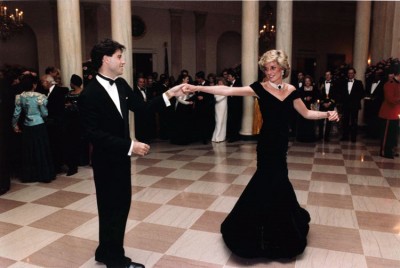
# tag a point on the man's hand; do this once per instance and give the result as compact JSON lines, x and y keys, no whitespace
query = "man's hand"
{"x":189,"y":89}
{"x":140,"y":148}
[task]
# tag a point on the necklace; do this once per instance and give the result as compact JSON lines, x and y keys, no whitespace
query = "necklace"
{"x":278,"y":87}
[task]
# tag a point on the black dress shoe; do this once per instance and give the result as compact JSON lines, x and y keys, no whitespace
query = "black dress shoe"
{"x":387,"y":156}
{"x":4,"y":190}
{"x":72,"y":172}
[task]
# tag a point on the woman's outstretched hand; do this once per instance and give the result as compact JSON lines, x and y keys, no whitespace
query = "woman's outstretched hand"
{"x":177,"y":91}
{"x":189,"y":89}
{"x":333,"y":116}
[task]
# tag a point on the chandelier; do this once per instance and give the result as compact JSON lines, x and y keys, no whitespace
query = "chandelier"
{"x":267,"y":32}
{"x":10,"y":22}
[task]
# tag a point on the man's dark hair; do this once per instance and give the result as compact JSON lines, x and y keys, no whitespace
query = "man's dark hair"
{"x":232,"y":72}
{"x":201,"y":75}
{"x":50,"y":69}
{"x":351,"y":68}
{"x":107,"y":47}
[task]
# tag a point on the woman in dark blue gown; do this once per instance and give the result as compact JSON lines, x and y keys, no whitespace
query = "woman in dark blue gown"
{"x":267,"y":221}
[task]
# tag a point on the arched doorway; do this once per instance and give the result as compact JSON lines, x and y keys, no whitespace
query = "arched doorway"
{"x":20,"y":49}
{"x":229,"y":50}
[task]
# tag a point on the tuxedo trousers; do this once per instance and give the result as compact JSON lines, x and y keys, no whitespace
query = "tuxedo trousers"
{"x":113,"y":191}
{"x":350,"y":123}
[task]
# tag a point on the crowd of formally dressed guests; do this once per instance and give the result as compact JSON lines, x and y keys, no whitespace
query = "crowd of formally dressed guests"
{"x":197,"y":117}
{"x":341,"y":90}
{"x":41,"y":134}
{"x":40,"y":127}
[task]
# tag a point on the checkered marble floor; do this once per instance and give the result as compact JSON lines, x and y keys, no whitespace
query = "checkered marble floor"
{"x":181,"y":194}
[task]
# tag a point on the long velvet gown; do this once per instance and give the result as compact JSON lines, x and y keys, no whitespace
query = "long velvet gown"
{"x":267,"y":221}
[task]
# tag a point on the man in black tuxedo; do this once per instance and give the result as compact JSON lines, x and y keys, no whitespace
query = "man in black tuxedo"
{"x":300,"y":80}
{"x":104,"y":107}
{"x":165,"y":116}
{"x":235,"y":110}
{"x":351,"y":95}
{"x":204,"y":110}
{"x":144,"y":120}
{"x":372,"y":103}
{"x":55,"y":119}
{"x":327,"y":102}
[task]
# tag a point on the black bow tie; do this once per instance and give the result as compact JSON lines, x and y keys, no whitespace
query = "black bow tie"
{"x":106,"y":78}
{"x":351,"y":80}
{"x":328,"y":82}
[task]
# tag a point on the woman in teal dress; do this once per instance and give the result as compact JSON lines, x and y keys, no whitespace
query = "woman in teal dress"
{"x":267,"y":221}
{"x":37,"y":165}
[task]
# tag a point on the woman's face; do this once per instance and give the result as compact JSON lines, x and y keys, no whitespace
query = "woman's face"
{"x":185,"y":80}
{"x":307,"y":82}
{"x":273,"y":72}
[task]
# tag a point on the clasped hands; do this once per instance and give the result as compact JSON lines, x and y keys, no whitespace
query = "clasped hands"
{"x":182,"y":89}
{"x":333,"y":116}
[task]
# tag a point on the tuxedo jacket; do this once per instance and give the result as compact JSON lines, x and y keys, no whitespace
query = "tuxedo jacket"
{"x":326,"y":98}
{"x":377,"y":95}
{"x":207,"y":103}
{"x":353,"y":100}
{"x":138,"y":93}
{"x":103,"y":124}
{"x":373,"y":101}
{"x":56,"y":105}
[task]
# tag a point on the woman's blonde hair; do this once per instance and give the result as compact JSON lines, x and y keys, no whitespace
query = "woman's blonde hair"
{"x":275,"y":55}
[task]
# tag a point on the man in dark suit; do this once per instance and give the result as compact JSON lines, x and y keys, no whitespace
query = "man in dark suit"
{"x":104,"y":106}
{"x":235,"y":109}
{"x":327,"y":102}
{"x":204,"y":111}
{"x":144,"y":120}
{"x":372,"y":103}
{"x":351,"y":95}
{"x":55,"y":119}
{"x":165,"y":116}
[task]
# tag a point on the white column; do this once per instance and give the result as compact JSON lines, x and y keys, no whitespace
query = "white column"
{"x":69,"y":34}
{"x":361,"y":38}
{"x":284,"y":28}
{"x":361,"y":42}
{"x":396,"y":31}
{"x":378,"y":30}
{"x":249,"y":60}
{"x":121,"y":31}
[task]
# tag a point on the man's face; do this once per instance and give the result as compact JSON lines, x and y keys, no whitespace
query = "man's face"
{"x":46,"y":84}
{"x":350,"y":74}
{"x":328,"y":76}
{"x":141,"y":82}
{"x":230,"y":78}
{"x":300,"y":76}
{"x":115,"y":63}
